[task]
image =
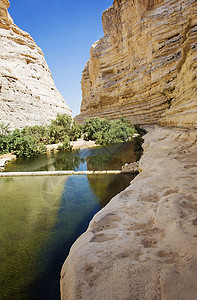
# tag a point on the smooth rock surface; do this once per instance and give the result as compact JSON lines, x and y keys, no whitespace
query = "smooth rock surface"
{"x":143,"y":244}
{"x":28,"y":95}
{"x":144,"y":67}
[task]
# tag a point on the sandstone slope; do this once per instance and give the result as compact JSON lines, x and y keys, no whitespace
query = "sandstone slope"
{"x":144,"y":67}
{"x":28,"y":95}
{"x":143,"y":244}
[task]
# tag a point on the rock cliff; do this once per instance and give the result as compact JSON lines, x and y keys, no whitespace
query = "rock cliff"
{"x":28,"y":95}
{"x":144,"y":67}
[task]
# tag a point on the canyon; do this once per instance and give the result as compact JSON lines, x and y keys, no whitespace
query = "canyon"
{"x":144,"y":68}
{"x":28,"y":95}
{"x":143,"y":244}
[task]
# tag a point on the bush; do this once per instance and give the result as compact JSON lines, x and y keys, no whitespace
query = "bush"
{"x":105,"y":132}
{"x":4,"y":144}
{"x":30,"y":140}
{"x":75,"y":131}
{"x":21,"y":144}
{"x":40,"y":133}
{"x":59,"y":127}
{"x":4,"y":129}
{"x":66,"y":146}
{"x":93,"y":126}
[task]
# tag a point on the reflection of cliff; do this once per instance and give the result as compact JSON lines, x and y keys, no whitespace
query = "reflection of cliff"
{"x":105,"y":187}
{"x":144,"y":67}
{"x":112,"y":157}
{"x":29,"y":209}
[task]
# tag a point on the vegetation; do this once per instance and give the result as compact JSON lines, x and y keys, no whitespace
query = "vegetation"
{"x":20,"y":144}
{"x":32,"y":140}
{"x":106,"y":132}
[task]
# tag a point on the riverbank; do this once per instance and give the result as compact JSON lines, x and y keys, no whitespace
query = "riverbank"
{"x":142,"y":245}
{"x":5,"y":158}
{"x":79,"y":144}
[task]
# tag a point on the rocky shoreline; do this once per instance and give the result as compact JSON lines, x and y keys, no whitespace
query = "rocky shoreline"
{"x":143,"y":244}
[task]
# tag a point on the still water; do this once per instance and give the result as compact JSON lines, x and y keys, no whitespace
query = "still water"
{"x":41,"y":217}
{"x":111,"y":157}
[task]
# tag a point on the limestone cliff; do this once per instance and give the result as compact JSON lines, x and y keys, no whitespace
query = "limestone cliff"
{"x":144,"y":67}
{"x":28,"y":95}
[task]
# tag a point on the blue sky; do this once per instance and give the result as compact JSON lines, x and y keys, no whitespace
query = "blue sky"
{"x":65,"y":31}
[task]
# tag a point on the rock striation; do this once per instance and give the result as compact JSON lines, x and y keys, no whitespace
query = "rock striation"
{"x":143,"y":244}
{"x":28,"y":95}
{"x":144,"y":67}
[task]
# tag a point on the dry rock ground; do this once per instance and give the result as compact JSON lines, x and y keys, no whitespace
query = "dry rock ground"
{"x":143,"y":244}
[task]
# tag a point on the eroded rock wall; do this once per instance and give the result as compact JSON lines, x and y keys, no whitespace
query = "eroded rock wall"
{"x":28,"y":95}
{"x":144,"y":67}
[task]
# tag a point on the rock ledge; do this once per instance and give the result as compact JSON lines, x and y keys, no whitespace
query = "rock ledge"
{"x":142,"y":245}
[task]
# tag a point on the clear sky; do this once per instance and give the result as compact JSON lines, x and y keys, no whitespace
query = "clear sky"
{"x":65,"y":31}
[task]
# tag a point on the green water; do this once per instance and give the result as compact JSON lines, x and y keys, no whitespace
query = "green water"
{"x":111,"y":157}
{"x":40,"y":218}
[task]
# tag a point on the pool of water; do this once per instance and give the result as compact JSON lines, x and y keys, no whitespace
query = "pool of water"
{"x":111,"y":157}
{"x":40,"y":218}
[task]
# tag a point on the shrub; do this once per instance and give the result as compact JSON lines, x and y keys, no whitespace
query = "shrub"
{"x":95,"y":125}
{"x":20,"y":144}
{"x":4,"y":129}
{"x":59,"y":127}
{"x":75,"y":131}
{"x":107,"y":132}
{"x":66,"y":145}
{"x":40,"y":133}
{"x":4,"y":144}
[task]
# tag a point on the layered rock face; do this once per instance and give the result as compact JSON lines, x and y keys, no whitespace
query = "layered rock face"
{"x":143,"y":244}
{"x":28,"y":95}
{"x":144,"y":67}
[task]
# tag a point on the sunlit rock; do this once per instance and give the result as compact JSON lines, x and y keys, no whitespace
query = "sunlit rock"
{"x":28,"y":95}
{"x":144,"y":67}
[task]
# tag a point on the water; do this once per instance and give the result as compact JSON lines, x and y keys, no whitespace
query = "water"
{"x":111,"y":157}
{"x":41,"y":217}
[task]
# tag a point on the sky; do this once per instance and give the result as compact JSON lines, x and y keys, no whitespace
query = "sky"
{"x":65,"y":31}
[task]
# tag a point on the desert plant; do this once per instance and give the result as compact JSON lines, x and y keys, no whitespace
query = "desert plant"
{"x":4,"y":129}
{"x":93,"y":126}
{"x":107,"y":132}
{"x":75,"y":131}
{"x":66,"y":145}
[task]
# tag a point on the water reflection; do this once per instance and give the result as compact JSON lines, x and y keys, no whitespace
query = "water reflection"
{"x":26,"y":221}
{"x":40,"y":218}
{"x":101,"y":158}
